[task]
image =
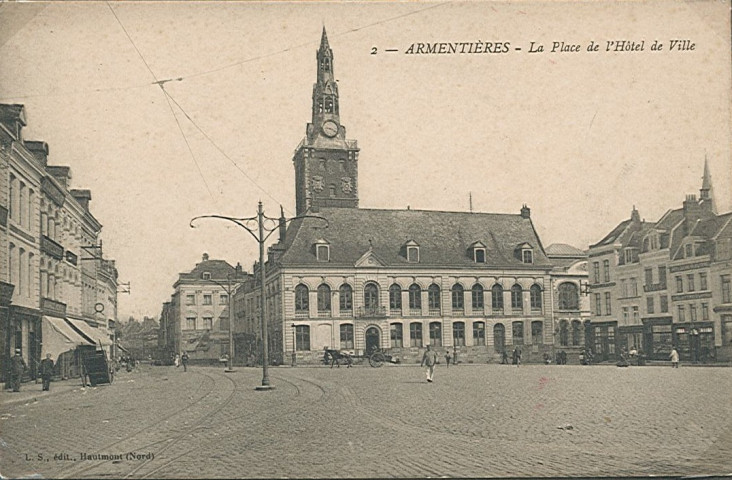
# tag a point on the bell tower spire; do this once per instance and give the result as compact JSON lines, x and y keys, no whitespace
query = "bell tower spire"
{"x":706,"y":196}
{"x":326,"y":163}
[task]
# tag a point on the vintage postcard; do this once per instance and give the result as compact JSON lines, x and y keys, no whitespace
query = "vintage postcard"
{"x":365,"y":239}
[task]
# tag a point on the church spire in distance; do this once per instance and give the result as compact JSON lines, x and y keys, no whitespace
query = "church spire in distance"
{"x":705,"y":193}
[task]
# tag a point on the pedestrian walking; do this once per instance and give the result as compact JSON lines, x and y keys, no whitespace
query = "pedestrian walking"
{"x":504,"y":357}
{"x":429,"y":359}
{"x":516,"y":356}
{"x":17,"y":368}
{"x":47,"y":372}
{"x":674,"y":358}
{"x":176,"y":361}
{"x":184,"y":361}
{"x":448,"y":357}
{"x":454,"y":356}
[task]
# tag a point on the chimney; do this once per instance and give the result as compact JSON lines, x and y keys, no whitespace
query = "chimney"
{"x":692,"y":209}
{"x":62,"y":175}
{"x":238,"y":270}
{"x":525,"y":212}
{"x":39,"y":151}
{"x":205,"y":257}
{"x":13,"y":117}
{"x":81,"y":196}
{"x":634,"y":215}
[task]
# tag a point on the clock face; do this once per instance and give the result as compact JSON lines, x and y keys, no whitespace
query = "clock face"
{"x":330,"y":128}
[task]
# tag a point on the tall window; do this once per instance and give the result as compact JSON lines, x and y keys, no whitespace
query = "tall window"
{"x":527,"y":256}
{"x":537,"y":332}
{"x":347,"y":336}
{"x":634,"y":287}
{"x":207,"y":323}
{"x":682,"y":314}
{"x":323,"y":251}
{"x":664,"y":304}
{"x":690,"y":282}
{"x":692,"y":312}
{"x":433,"y":298}
{"x":302,"y":337}
{"x":576,"y":332}
{"x":705,"y":312}
{"x":395,"y":297}
{"x":516,"y":297}
{"x":535,"y":296}
{"x":497,"y":297}
{"x":596,"y":271}
{"x":679,"y":284}
{"x":190,"y":299}
{"x":606,"y":270}
{"x":477,"y":296}
{"x":499,"y":338}
{"x":415,"y":297}
{"x":568,"y":296}
{"x":662,"y":275}
{"x":649,"y":276}
{"x":598,"y":304}
{"x":458,"y":297}
{"x":302,"y":302}
{"x":413,"y":254}
{"x":517,"y":331}
{"x":479,"y":255}
{"x":458,"y":334}
{"x":478,"y":333}
{"x":436,"y":334}
{"x":345,"y":298}
{"x":370,"y":296}
{"x":223,"y":299}
{"x":703,"y":281}
{"x":725,"y":281}
{"x":323,"y":298}
{"x":396,"y":335}
{"x":207,"y":299}
{"x":415,"y":334}
{"x":608,"y":307}
{"x":564,"y":333}
{"x":649,"y":305}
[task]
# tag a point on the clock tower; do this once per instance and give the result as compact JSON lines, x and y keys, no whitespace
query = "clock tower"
{"x":326,"y":163}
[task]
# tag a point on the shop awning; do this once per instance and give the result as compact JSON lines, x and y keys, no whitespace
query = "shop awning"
{"x":59,"y":337}
{"x":96,"y":335}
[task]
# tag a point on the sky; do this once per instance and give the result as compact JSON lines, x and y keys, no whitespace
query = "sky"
{"x":580,"y":137}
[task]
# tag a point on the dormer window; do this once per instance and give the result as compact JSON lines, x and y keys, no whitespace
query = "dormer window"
{"x":206,"y":275}
{"x":689,"y":250}
{"x":322,"y":250}
{"x":412,"y":251}
{"x":527,"y":255}
{"x":631,"y":255}
{"x":478,"y":252}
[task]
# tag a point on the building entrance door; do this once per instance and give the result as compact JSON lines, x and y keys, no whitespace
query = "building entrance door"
{"x":372,"y":339}
{"x":604,"y":343}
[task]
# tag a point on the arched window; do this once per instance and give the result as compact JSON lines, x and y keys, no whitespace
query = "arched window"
{"x":576,"y":332}
{"x":568,"y":296}
{"x":415,"y":297}
{"x":345,"y":292}
{"x":302,"y":302}
{"x":497,"y":297}
{"x":458,"y":297}
{"x":537,"y":332}
{"x":395,"y":297}
{"x":370,"y":296}
{"x":433,"y":298}
{"x":499,"y":338}
{"x":477,"y":294}
{"x":535,"y":294}
{"x":323,"y":298}
{"x":436,"y":334}
{"x":458,"y":334}
{"x":564,"y":333}
{"x":516,"y":297}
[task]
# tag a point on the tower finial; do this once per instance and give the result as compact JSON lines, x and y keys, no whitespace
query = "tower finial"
{"x":324,"y":39}
{"x":706,"y":196}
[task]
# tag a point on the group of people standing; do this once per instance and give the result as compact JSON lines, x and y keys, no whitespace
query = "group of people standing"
{"x":181,"y":360}
{"x":18,"y":368}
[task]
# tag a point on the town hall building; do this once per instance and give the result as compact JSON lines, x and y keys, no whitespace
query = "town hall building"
{"x":478,"y":284}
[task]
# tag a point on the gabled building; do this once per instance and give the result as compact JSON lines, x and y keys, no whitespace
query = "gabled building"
{"x":664,"y":284}
{"x":196,"y":320}
{"x":478,"y":284}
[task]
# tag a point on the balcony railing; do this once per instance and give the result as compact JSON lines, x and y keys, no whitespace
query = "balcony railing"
{"x":323,"y":313}
{"x":372,"y":312}
{"x":52,"y":248}
{"x":53,"y":307}
{"x":434,"y":312}
{"x":346,"y":313}
{"x":302,"y":314}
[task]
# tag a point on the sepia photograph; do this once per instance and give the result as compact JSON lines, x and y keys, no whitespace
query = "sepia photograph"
{"x":351,"y":239}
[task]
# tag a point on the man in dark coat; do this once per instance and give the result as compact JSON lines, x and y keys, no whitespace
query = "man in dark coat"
{"x":184,"y":361}
{"x":17,"y":367}
{"x":47,"y":372}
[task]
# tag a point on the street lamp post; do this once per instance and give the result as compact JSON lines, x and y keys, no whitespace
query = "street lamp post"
{"x":261,"y":236}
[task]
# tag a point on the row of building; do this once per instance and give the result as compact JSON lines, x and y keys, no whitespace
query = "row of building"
{"x":58,"y":294}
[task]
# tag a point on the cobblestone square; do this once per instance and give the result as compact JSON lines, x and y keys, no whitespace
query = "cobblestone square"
{"x":474,"y":420}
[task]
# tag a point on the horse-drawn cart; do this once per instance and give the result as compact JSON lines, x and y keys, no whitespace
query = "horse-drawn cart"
{"x":376,"y":358}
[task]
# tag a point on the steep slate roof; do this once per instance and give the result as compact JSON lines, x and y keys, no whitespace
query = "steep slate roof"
{"x":614,"y":235}
{"x":562,"y":249}
{"x":217,"y":268}
{"x":709,"y":227}
{"x":443,"y":237}
{"x":670,"y":219}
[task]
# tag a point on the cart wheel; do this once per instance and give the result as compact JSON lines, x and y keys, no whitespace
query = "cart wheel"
{"x":376,"y":360}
